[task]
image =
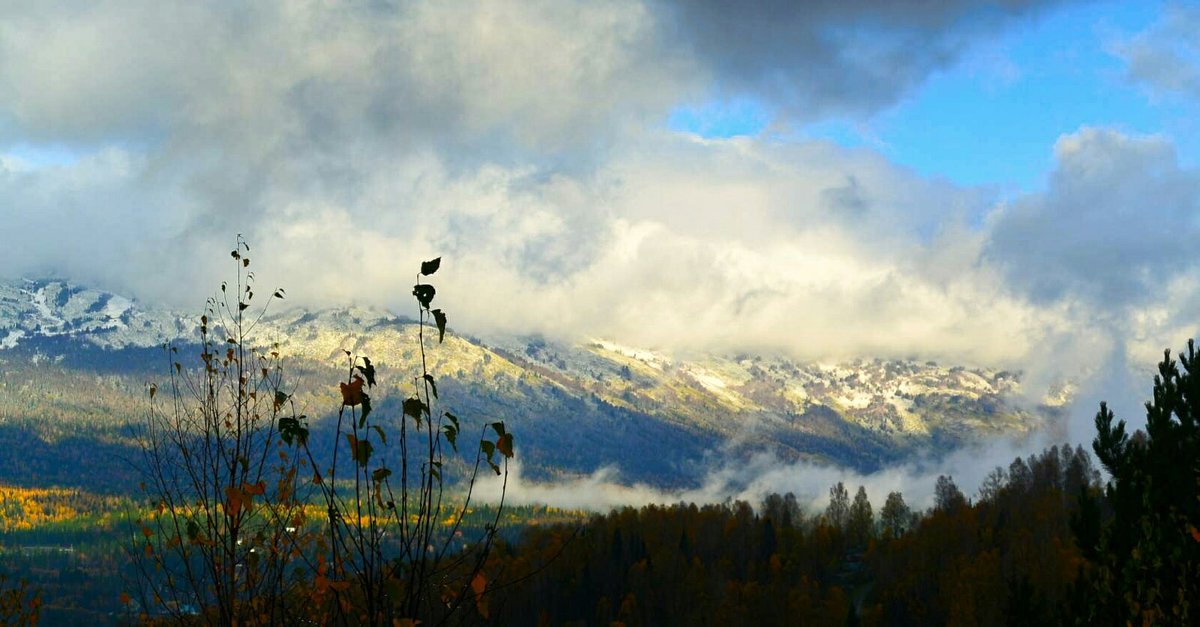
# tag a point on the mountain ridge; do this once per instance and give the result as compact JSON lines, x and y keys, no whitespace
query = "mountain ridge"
{"x":578,"y":407}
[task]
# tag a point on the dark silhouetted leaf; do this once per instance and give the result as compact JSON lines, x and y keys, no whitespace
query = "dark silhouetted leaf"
{"x":380,"y":474}
{"x":431,"y":266}
{"x":291,"y":430}
{"x":424,"y":294}
{"x":439,"y":317}
{"x":451,"y":430}
{"x":432,"y":385}
{"x":489,"y":449}
{"x":368,"y":371}
{"x":360,"y":450}
{"x":366,"y":410}
{"x":415,"y":407}
{"x":505,"y":445}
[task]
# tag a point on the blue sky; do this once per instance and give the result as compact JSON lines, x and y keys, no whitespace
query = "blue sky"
{"x":992,"y":118}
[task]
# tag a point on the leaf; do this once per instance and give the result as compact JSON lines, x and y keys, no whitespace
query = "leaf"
{"x":489,"y":449}
{"x":435,"y":469}
{"x":153,"y":390}
{"x":451,"y":430}
{"x":233,"y":501}
{"x":279,"y":293}
{"x":360,"y":450}
{"x":280,"y":399}
{"x":193,"y":530}
{"x":366,"y":411}
{"x":382,"y":436}
{"x":352,"y":392}
{"x":479,"y":586}
{"x":440,"y":318}
{"x":125,"y":599}
{"x":424,"y":294}
{"x":498,"y":427}
{"x":380,"y":474}
{"x":432,"y":385}
{"x":505,"y":445}
{"x":291,"y":430}
{"x":415,"y":407}
{"x":431,"y":266}
{"x":368,"y":371}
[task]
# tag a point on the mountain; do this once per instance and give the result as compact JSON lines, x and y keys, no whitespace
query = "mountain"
{"x":76,"y":363}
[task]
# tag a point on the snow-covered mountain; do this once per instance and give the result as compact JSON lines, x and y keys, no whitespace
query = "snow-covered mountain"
{"x":578,"y":406}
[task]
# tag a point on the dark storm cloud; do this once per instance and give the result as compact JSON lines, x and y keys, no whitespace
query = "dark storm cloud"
{"x":827,"y":56}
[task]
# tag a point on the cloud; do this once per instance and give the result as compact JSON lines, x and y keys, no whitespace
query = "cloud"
{"x":1115,"y":226}
{"x":817,"y":57}
{"x":523,"y":142}
{"x":752,"y":479}
{"x":1166,"y":57}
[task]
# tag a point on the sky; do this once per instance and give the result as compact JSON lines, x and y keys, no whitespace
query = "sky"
{"x":1001,"y":183}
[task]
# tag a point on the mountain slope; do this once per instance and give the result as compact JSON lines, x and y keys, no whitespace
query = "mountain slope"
{"x":76,"y":362}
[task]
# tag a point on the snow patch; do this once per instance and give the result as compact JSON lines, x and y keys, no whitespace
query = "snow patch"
{"x":10,"y":340}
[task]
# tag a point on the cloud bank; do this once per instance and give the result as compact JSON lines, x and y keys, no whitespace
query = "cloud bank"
{"x":525,"y":142}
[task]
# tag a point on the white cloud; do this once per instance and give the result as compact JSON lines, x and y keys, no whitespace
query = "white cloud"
{"x":521,"y":141}
{"x":1165,"y":58}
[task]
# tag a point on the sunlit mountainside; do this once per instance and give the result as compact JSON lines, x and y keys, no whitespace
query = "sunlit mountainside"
{"x":78,"y":362}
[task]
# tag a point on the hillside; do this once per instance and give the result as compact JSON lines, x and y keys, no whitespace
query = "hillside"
{"x":76,"y":363}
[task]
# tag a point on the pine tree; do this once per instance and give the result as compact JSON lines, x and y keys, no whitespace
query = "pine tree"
{"x":1147,"y":556}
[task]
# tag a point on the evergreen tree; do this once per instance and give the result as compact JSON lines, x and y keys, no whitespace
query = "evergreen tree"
{"x":1147,"y":556}
{"x":862,"y":519}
